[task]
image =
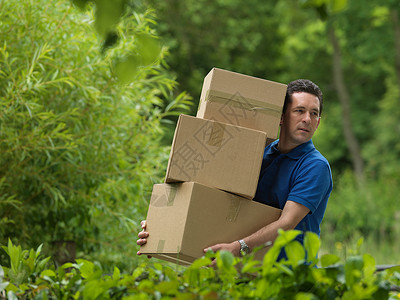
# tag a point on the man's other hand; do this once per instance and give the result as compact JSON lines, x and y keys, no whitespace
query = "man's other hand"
{"x":143,"y":235}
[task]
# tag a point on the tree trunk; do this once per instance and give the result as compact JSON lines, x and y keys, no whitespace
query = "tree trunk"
{"x":344,"y":97}
{"x":396,"y":27}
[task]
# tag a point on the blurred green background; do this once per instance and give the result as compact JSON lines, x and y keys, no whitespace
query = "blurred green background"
{"x":90,"y":92}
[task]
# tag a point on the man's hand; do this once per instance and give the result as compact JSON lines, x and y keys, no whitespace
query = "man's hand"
{"x":143,"y":235}
{"x":233,"y":247}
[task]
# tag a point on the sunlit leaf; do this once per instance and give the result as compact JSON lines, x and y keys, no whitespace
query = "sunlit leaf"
{"x":338,"y":5}
{"x":86,"y":267}
{"x":108,"y":14}
{"x":312,"y":244}
{"x":167,"y":287}
{"x":81,"y":3}
{"x":201,"y":262}
{"x":149,"y":48}
{"x":329,"y":260}
{"x":225,"y":259}
{"x":116,"y":274}
{"x":127,"y":67}
{"x":295,"y":253}
{"x":49,"y":273}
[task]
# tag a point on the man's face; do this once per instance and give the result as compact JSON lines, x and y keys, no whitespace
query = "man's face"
{"x":300,"y":120}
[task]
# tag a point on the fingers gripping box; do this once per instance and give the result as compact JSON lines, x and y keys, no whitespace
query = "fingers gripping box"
{"x":242,"y":100}
{"x":217,"y":155}
{"x":185,"y":218}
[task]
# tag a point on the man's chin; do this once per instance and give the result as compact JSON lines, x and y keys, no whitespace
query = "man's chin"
{"x":303,"y":139}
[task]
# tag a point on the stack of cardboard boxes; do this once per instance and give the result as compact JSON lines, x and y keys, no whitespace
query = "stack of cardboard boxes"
{"x":213,"y":169}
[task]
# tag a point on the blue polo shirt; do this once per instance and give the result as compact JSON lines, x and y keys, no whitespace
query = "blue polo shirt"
{"x":303,"y":175}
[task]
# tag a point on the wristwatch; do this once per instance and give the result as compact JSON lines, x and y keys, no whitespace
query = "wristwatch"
{"x":244,"y":249}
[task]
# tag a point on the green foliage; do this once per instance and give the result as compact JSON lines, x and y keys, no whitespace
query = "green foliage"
{"x":226,"y":34}
{"x":79,"y":150}
{"x":82,"y":132}
{"x":231,"y":278}
{"x":23,"y":263}
{"x":353,"y":212}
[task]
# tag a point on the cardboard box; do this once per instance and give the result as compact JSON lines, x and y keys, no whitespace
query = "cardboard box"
{"x":242,"y":100}
{"x":185,"y":218}
{"x":217,"y":155}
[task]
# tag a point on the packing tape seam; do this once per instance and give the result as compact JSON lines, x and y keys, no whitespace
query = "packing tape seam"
{"x":160,"y":245}
{"x":255,"y":105}
{"x":234,"y":208}
{"x":171,"y":194}
{"x":217,"y":134}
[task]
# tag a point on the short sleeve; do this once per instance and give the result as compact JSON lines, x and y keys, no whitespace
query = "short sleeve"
{"x":311,"y":184}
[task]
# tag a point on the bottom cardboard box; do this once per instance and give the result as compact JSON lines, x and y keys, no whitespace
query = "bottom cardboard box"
{"x":185,"y":218}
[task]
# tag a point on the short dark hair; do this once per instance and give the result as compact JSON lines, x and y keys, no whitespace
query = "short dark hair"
{"x":302,"y":85}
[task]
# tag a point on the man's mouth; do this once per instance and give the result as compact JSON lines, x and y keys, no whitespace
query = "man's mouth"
{"x":304,"y":129}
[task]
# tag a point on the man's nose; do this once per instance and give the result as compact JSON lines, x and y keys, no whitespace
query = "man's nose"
{"x":307,"y":117}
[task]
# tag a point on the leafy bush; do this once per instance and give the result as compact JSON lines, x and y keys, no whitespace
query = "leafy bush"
{"x":232,"y":278}
{"x":79,"y":150}
{"x":368,"y":212}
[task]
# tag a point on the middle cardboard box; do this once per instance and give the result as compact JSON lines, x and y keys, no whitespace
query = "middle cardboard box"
{"x":216,"y":154}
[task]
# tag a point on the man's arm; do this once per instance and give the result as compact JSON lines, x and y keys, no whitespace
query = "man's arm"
{"x":292,"y":214}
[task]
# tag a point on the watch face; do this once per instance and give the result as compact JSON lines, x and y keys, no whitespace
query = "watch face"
{"x":244,"y":249}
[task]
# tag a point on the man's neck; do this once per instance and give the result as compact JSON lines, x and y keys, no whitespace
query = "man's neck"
{"x":286,"y":147}
{"x":282,"y":148}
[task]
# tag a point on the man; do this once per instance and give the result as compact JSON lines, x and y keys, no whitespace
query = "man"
{"x":294,"y":176}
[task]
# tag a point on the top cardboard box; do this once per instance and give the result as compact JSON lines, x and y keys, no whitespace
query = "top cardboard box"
{"x":242,"y":100}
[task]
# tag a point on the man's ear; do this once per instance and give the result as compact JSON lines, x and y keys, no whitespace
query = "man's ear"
{"x":319,"y":120}
{"x":281,"y":122}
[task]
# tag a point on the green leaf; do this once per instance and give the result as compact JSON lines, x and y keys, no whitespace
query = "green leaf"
{"x":107,"y":15}
{"x":338,"y":5}
{"x":284,"y":269}
{"x":353,"y":270}
{"x":116,"y":274}
{"x":251,"y":266}
{"x":369,"y":265}
{"x":225,"y":259}
{"x":41,"y":264}
{"x":11,"y":288}
{"x":11,"y":295}
{"x":86,"y":267}
{"x":149,"y":48}
{"x":168,"y":287}
{"x":3,"y":285}
{"x":270,"y":258}
{"x":93,"y":289}
{"x":286,"y":237}
{"x":200,"y":262}
{"x":295,"y":253}
{"x":127,"y":67}
{"x":81,"y":3}
{"x":49,"y":273}
{"x":305,"y":296}
{"x":312,"y":244}
{"x":329,"y":260}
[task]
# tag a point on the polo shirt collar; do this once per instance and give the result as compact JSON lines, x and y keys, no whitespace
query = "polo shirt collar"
{"x":297,"y":152}
{"x":273,"y":148}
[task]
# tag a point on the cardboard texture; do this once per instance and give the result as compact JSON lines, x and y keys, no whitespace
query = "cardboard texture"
{"x":185,"y":218}
{"x":215,"y":154}
{"x":242,"y":100}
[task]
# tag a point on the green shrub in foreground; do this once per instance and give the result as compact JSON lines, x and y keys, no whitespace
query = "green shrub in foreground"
{"x":232,"y":278}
